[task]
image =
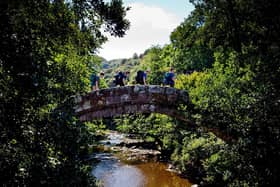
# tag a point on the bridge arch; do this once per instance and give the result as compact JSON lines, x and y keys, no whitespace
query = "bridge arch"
{"x":131,"y":100}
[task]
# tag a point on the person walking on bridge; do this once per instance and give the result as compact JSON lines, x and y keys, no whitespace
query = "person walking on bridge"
{"x":141,"y":77}
{"x":120,"y":78}
{"x":96,"y":80}
{"x":169,"y":78}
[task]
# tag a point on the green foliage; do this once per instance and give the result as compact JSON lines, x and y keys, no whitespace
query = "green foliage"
{"x":222,"y":97}
{"x":46,"y":58}
{"x":103,"y":84}
{"x":225,"y":98}
{"x":190,"y":155}
{"x":251,"y":111}
{"x":228,"y":167}
{"x":191,"y":52}
{"x":95,"y":126}
{"x":156,"y":127}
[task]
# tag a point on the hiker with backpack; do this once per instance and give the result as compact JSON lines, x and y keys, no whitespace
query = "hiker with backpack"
{"x":95,"y":81}
{"x":120,"y":79}
{"x":141,"y":77}
{"x":169,"y":78}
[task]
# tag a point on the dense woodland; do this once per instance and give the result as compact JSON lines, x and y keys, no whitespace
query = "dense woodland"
{"x":229,"y":49}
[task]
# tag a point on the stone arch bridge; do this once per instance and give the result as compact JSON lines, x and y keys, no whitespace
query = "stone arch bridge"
{"x":131,"y":100}
{"x":138,"y":99}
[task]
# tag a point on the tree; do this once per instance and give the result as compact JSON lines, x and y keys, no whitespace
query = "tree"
{"x":44,"y":55}
{"x":249,"y":30}
{"x":191,"y":51}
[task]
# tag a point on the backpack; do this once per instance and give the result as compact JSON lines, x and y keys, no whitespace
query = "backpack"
{"x":167,"y":78}
{"x":93,"y":79}
{"x":139,"y":77}
{"x":119,"y":79}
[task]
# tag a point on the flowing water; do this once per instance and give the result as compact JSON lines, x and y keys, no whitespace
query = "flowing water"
{"x":114,"y":173}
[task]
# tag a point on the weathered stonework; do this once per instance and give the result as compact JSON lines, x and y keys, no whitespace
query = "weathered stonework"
{"x":130,"y":100}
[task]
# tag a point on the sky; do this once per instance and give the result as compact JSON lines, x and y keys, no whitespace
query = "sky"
{"x":151,"y":23}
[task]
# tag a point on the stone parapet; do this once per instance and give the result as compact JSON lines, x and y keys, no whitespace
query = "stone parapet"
{"x":130,"y":100}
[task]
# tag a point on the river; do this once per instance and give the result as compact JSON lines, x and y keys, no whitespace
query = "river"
{"x":112,"y":172}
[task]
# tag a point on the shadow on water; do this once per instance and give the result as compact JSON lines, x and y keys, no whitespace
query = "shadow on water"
{"x":156,"y":174}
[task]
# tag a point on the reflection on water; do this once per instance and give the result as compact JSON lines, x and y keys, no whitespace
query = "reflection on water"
{"x":156,"y":175}
{"x":113,"y":173}
{"x":107,"y":164}
{"x":125,"y":176}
